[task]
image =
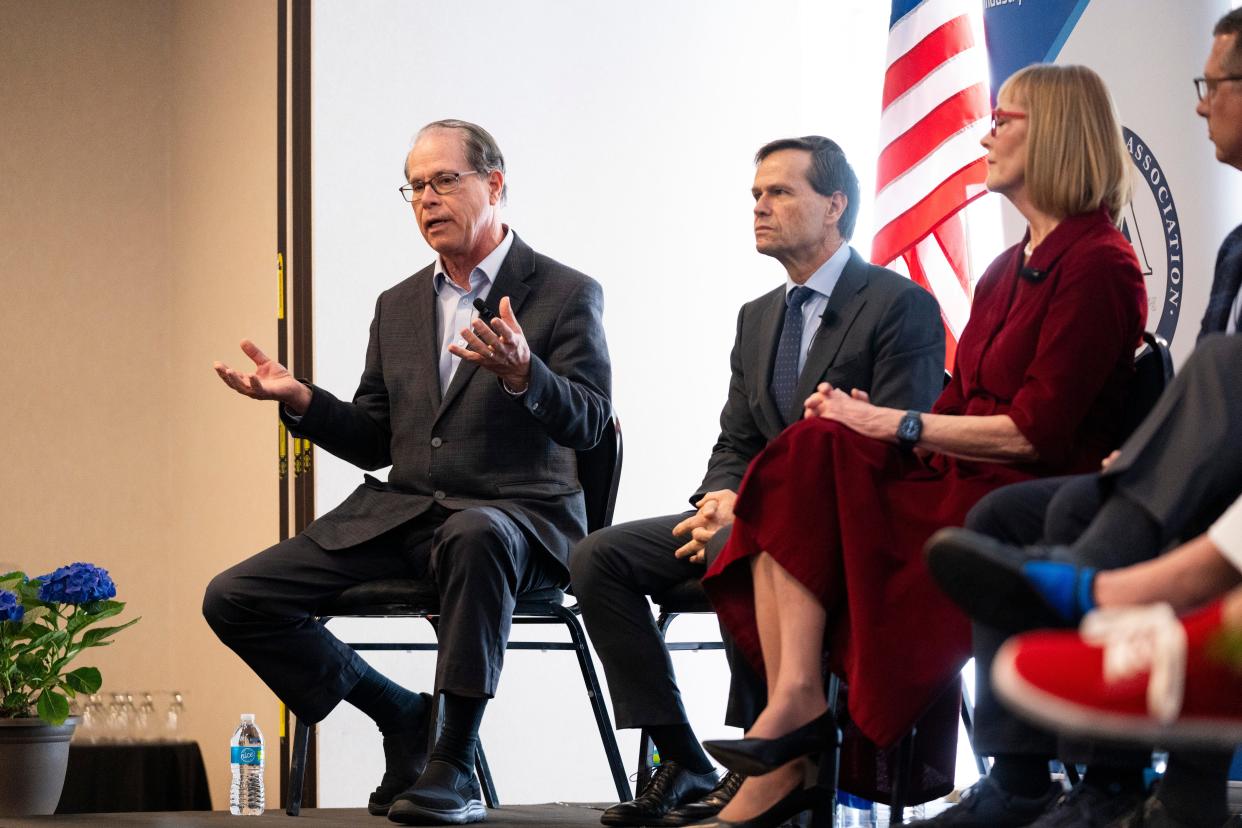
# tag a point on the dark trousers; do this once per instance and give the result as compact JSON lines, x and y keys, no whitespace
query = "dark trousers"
{"x":613,"y":571}
{"x":265,"y":608}
{"x":1182,"y":465}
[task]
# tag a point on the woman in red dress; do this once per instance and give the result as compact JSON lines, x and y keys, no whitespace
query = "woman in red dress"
{"x":826,"y":551}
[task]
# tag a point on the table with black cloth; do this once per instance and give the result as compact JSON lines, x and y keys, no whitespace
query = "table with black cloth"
{"x":143,"y":776}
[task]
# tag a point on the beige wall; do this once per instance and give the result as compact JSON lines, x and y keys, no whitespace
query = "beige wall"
{"x":137,"y":244}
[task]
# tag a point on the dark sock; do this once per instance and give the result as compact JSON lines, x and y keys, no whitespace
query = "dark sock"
{"x":1114,"y":780}
{"x":1195,"y":787}
{"x":677,"y":742}
{"x":1121,"y":533}
{"x":391,"y":706}
{"x":459,"y":734}
{"x":1021,"y":775}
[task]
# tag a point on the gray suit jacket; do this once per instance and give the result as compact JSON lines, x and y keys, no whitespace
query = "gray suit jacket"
{"x":475,"y":445}
{"x":880,"y":333}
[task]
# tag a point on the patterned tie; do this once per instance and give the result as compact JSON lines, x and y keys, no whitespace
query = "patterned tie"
{"x":785,"y":368}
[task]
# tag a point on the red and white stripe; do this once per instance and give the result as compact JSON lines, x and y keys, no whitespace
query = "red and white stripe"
{"x":936,"y":109}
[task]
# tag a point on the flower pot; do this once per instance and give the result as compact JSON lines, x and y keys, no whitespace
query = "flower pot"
{"x":34,"y":756}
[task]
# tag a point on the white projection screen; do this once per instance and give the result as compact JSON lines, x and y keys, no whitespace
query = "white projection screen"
{"x":629,"y":131}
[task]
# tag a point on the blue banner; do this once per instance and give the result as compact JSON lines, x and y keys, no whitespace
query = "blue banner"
{"x":1022,"y":32}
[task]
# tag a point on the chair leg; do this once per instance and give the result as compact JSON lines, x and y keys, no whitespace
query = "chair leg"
{"x":968,"y":721}
{"x":901,"y":779}
{"x":297,"y":767}
{"x":595,"y":695}
{"x":484,"y":772}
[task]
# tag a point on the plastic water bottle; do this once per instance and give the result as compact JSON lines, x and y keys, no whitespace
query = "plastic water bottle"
{"x":854,"y":811}
{"x":246,"y":760}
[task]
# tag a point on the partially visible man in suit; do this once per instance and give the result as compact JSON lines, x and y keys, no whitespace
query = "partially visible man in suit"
{"x":480,"y":423}
{"x":836,"y":319}
{"x":1170,"y":480}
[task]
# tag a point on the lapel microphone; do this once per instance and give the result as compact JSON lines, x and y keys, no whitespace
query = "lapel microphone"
{"x":1033,"y":275}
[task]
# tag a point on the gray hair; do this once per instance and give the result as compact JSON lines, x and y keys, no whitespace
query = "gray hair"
{"x":482,"y":152}
{"x":829,"y":173}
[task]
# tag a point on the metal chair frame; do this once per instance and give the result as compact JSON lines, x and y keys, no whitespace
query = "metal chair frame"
{"x":599,"y":472}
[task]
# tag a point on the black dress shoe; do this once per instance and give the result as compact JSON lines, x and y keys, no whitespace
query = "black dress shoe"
{"x":405,"y":756}
{"x":989,"y":581}
{"x":708,"y":806}
{"x":786,"y":808}
{"x":755,"y":757}
{"x":670,"y":787}
{"x":443,"y":795}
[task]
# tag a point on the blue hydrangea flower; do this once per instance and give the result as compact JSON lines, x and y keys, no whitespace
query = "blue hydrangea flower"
{"x":11,"y":608}
{"x":77,"y":583}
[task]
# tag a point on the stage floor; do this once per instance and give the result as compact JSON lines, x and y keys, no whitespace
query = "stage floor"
{"x":579,"y":815}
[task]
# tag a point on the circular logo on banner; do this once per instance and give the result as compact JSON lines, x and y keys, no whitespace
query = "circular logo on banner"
{"x":1150,"y":217}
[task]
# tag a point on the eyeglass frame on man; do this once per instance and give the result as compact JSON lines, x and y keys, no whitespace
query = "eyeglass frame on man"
{"x":1005,"y":113}
{"x":1205,"y":87}
{"x":454,"y":181}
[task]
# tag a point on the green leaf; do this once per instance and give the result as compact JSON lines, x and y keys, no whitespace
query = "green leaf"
{"x":84,"y":679}
{"x":95,"y":637}
{"x":53,"y":707}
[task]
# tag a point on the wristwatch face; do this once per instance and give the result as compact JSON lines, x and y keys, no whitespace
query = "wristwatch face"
{"x":910,"y":429}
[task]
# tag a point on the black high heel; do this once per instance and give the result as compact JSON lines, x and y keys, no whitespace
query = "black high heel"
{"x":818,"y":797}
{"x":755,"y":757}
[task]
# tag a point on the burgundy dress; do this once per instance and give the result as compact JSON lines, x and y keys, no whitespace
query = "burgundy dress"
{"x":848,"y":515}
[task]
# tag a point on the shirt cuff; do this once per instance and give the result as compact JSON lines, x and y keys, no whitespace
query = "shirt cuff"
{"x":1226,"y":534}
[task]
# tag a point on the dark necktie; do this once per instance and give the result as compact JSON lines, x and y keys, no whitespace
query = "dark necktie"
{"x":785,"y":368}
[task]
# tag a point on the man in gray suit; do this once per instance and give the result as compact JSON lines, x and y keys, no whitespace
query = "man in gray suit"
{"x":837,"y":320}
{"x":482,"y":497}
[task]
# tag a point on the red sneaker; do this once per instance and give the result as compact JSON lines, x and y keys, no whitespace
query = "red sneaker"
{"x":1134,"y":673}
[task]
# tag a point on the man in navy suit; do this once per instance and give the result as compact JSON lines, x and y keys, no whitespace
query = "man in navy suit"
{"x":480,"y":423}
{"x":836,"y":319}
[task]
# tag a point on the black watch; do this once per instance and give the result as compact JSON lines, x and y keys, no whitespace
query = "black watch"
{"x":910,"y":429}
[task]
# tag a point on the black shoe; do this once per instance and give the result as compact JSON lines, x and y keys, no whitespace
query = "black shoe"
{"x":1088,"y":806}
{"x":789,"y":806}
{"x":709,"y":805}
{"x":755,"y":757}
{"x":987,"y":805}
{"x":405,"y":756}
{"x":672,"y":786}
{"x":443,"y":795}
{"x":987,"y":579}
{"x":1153,"y":813}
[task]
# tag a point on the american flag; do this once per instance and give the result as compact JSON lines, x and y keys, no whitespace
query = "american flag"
{"x":936,"y":108}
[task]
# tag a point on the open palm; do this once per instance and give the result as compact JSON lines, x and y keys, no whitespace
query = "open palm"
{"x":269,"y":381}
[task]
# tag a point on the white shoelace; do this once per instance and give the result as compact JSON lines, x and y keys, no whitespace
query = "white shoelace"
{"x":1136,"y":639}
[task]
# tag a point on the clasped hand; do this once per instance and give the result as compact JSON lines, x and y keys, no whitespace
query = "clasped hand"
{"x":500,"y":347}
{"x":715,"y":513}
{"x":853,"y":410}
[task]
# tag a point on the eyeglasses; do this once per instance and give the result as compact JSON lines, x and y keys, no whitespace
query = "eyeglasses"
{"x":443,"y":183}
{"x":1002,"y":116}
{"x":1206,"y":87}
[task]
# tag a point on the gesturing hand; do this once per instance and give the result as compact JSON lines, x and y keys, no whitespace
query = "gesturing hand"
{"x":500,"y":348}
{"x":270,"y":380}
{"x":715,"y":513}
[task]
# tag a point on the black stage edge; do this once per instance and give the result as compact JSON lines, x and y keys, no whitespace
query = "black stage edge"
{"x":558,"y":813}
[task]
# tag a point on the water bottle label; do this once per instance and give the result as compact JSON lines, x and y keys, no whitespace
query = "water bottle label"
{"x":245,"y":755}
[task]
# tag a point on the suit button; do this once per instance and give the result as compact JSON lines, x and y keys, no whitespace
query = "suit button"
{"x":436,"y":442}
{"x":439,"y":495}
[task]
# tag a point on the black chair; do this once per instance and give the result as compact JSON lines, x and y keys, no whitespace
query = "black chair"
{"x":1153,"y":371}
{"x":599,"y":471}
